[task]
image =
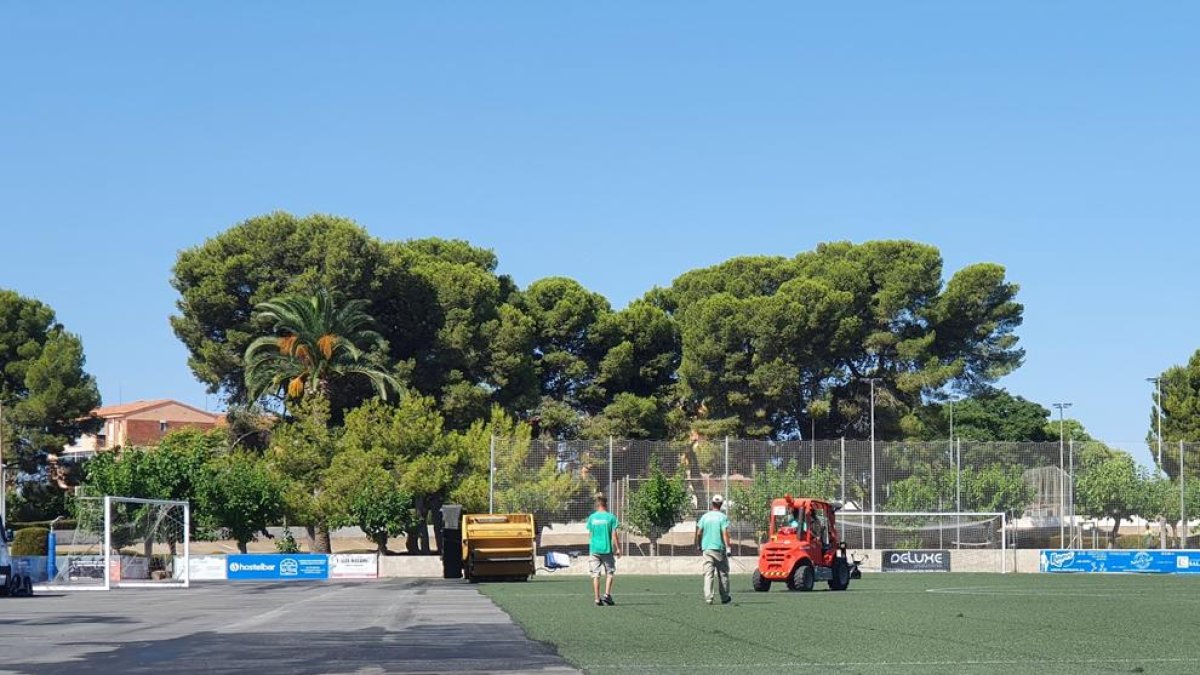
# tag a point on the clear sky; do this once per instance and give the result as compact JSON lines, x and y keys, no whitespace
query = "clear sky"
{"x":620,"y":144}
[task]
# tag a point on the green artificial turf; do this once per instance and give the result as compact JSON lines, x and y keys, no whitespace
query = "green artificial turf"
{"x":898,"y":623}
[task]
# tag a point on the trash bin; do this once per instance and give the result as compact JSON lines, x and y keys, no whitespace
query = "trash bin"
{"x":452,"y":560}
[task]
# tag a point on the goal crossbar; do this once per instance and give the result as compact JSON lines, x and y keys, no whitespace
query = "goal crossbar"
{"x":869,"y":520}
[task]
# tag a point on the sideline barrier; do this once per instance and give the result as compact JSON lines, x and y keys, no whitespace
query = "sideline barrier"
{"x":298,"y":567}
{"x":1105,"y":561}
{"x":203,"y":568}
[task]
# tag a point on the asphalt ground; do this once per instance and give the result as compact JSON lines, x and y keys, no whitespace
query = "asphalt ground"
{"x":387,"y":626}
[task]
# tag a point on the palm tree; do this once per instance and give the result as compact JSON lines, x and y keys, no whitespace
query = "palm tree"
{"x":315,"y":342}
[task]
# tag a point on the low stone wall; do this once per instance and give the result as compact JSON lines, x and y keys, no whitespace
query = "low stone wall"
{"x":406,"y":566}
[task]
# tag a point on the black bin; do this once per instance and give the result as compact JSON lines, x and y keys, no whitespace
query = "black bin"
{"x":452,"y":561}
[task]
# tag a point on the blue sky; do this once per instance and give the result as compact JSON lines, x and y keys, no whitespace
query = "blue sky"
{"x":621,"y":144}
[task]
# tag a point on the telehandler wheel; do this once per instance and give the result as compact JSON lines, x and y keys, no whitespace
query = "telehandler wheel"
{"x":803,"y":577}
{"x":760,"y":584}
{"x":841,"y":575}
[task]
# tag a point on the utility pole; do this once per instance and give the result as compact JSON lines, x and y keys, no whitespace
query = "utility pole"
{"x":1062,"y":470}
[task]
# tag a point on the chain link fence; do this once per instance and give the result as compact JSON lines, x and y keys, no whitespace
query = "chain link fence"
{"x":1032,"y":484}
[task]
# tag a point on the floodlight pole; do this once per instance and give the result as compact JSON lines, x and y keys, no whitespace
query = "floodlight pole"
{"x":874,"y":503}
{"x":1062,"y":470}
{"x":1157,"y":382}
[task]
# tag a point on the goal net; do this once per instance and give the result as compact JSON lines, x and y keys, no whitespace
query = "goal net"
{"x":913,"y":530}
{"x":123,"y":542}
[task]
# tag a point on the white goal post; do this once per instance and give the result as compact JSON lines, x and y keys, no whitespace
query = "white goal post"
{"x":125,"y":542}
{"x":958,"y":530}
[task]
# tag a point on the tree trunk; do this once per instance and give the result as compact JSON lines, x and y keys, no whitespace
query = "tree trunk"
{"x":242,"y":547}
{"x":311,"y":532}
{"x":322,"y":544}
{"x":1112,"y":536}
{"x":418,"y":539}
{"x":435,"y":510}
{"x":381,"y":543}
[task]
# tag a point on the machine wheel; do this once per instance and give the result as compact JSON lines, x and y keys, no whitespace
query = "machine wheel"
{"x":841,"y":575}
{"x":759,"y":583}
{"x":803,"y":577}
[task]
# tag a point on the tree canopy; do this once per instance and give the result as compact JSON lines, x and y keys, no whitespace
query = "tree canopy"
{"x":47,"y":395}
{"x":1181,"y":415}
{"x":755,"y":346}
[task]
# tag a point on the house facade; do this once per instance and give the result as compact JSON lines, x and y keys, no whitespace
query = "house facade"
{"x":141,"y":423}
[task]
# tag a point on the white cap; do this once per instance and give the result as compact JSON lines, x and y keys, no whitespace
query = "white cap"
{"x":718,"y":499}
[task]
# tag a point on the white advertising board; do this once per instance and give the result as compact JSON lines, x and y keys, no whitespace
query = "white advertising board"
{"x":354,"y":566}
{"x":203,"y":568}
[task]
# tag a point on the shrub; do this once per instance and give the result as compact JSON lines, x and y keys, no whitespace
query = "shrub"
{"x":30,"y":541}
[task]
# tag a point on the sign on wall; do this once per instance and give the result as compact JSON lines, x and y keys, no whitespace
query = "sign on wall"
{"x":299,"y":567}
{"x":354,"y":566}
{"x":916,"y":561}
{"x":1152,"y":562}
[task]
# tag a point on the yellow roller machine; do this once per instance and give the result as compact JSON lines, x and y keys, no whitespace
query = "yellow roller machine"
{"x":498,"y":546}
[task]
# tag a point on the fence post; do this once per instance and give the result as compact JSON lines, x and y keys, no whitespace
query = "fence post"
{"x":608,"y":491}
{"x":726,"y":468}
{"x":108,"y":544}
{"x":1183,"y":522}
{"x":492,"y":475}
{"x":843,"y":477}
{"x":956,"y":448}
{"x":1071,"y":494}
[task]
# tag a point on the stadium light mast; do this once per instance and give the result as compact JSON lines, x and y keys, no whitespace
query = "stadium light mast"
{"x":956,"y":453}
{"x":1157,"y":382}
{"x":872,"y":380}
{"x":1062,"y":488}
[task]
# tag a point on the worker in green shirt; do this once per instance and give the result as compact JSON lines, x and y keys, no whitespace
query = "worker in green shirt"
{"x":603,"y":546}
{"x":712,"y":538}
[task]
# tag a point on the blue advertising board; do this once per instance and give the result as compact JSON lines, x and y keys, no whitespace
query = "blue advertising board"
{"x":299,"y":567}
{"x":1150,"y":562}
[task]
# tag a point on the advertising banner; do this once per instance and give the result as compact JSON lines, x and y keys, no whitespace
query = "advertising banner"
{"x":1150,"y":562}
{"x":916,"y":561}
{"x":299,"y":567}
{"x":203,"y":568}
{"x":354,"y":566}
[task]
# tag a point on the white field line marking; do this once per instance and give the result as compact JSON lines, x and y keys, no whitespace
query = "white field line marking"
{"x":894,"y":664}
{"x":744,"y":593}
{"x":1016,"y":592}
{"x":270,"y":615}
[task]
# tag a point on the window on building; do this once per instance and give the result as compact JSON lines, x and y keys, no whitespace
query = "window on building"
{"x":162,"y":427}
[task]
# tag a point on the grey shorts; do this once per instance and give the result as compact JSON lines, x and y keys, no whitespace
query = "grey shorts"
{"x":602,"y":563}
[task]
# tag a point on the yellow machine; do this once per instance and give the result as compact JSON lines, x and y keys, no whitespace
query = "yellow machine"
{"x":498,"y":546}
